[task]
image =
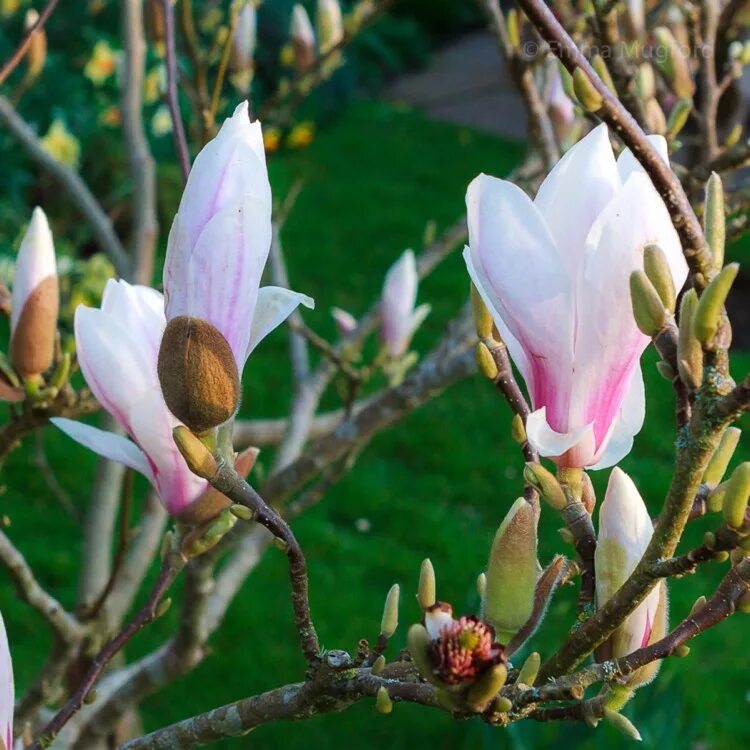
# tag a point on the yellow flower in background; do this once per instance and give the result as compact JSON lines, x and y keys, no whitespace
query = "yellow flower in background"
{"x":211,"y":20}
{"x":154,"y":84}
{"x":61,"y":144}
{"x":286,"y":56}
{"x":111,"y":116}
{"x":161,"y":122}
{"x":9,"y":7}
{"x":102,"y":64}
{"x":301,"y":135}
{"x":271,"y":139}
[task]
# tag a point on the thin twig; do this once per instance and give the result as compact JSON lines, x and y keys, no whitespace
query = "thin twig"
{"x":11,"y":63}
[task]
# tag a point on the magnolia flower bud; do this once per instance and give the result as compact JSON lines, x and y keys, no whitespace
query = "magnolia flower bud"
{"x":485,"y":361}
{"x":330,"y":25}
{"x":678,"y":117}
{"x":689,"y":350}
{"x":389,"y":622}
{"x":487,"y":687}
{"x":648,"y":308}
{"x":711,"y":302}
{"x":586,"y":93}
{"x":346,"y":323}
{"x":426,"y":588}
{"x":597,"y":62}
{"x":673,"y":63}
{"x":512,"y":572}
{"x":245,"y":38}
{"x":736,"y":496}
{"x":721,"y":457}
{"x":714,"y":221}
{"x":656,"y":120}
{"x":528,"y":672}
{"x":303,"y":39}
{"x":197,"y":456}
{"x":656,"y":266}
{"x":622,"y":724}
{"x":547,"y":484}
{"x":198,"y":374}
{"x":482,"y":316}
{"x":625,"y":530}
{"x":36,"y":52}
{"x":383,"y":703}
{"x":33,"y":319}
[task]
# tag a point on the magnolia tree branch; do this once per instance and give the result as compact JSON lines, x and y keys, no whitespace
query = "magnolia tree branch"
{"x":622,"y":122}
{"x":12,"y":62}
{"x":72,"y":184}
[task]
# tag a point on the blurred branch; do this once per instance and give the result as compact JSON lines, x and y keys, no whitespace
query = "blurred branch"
{"x":173,"y":98}
{"x":72,"y":183}
{"x":11,"y":63}
{"x":65,"y":625}
{"x":142,"y":167}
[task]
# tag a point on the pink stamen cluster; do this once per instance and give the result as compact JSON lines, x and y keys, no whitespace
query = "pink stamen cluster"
{"x":464,"y":649}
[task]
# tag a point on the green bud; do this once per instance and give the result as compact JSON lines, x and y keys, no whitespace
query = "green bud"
{"x":689,"y":350}
{"x":715,"y":501}
{"x":567,"y":81}
{"x":585,"y":91}
{"x":714,"y":220}
{"x":389,"y":622}
{"x":711,"y":302}
{"x":682,"y":651}
{"x":673,"y":63}
{"x":734,"y":135}
{"x":700,"y":602}
{"x":743,"y":605}
{"x":678,"y":117}
{"x":242,"y":512}
{"x":518,"y":429}
{"x":709,"y":540}
{"x":546,"y":482}
{"x":648,"y":308}
{"x":736,"y":496}
{"x":383,"y":703}
{"x":513,"y":26}
{"x":529,"y":670}
{"x":378,"y":665}
{"x":665,"y":370}
{"x":163,"y":607}
{"x":502,"y":705}
{"x":90,"y":697}
{"x":198,"y":458}
{"x":482,"y":317}
{"x":597,"y":61}
{"x":512,"y":572}
{"x":418,"y":643}
{"x":167,"y":544}
{"x":426,"y":589}
{"x":482,"y":585}
{"x":721,"y":556}
{"x":656,"y":267}
{"x":486,"y":687}
{"x":623,"y":724}
{"x":721,"y":457}
{"x":567,"y":535}
{"x":485,"y":361}
{"x":645,"y":83}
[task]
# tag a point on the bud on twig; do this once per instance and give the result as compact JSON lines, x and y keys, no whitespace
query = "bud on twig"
{"x":513,"y":24}
{"x":711,"y":302}
{"x":586,"y":93}
{"x":389,"y":622}
{"x":303,"y":39}
{"x":546,"y":482}
{"x":199,"y":459}
{"x":736,"y":496}
{"x":378,"y":665}
{"x":36,"y":52}
{"x":656,"y":267}
{"x":383,"y":703}
{"x":426,"y":589}
{"x":482,"y":317}
{"x":198,"y":374}
{"x":714,"y":220}
{"x":700,"y":602}
{"x":623,"y":724}
{"x":330,"y":25}
{"x":689,"y":350}
{"x":529,"y":670}
{"x":648,"y":308}
{"x":512,"y":572}
{"x":418,"y":643}
{"x":678,"y":116}
{"x":485,"y":361}
{"x":597,"y":62}
{"x":721,"y":457}
{"x":486,"y":687}
{"x":673,"y":63}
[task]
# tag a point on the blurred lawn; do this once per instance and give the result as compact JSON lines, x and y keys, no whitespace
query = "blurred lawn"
{"x":438,"y":486}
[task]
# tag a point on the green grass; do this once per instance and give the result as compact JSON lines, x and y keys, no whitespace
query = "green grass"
{"x":437,"y":486}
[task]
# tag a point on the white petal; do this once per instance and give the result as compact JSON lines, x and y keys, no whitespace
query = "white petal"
{"x":107,"y":444}
{"x":35,"y":262}
{"x":7,"y":689}
{"x":623,"y":516}
{"x":552,"y":444}
{"x":627,"y":425}
{"x":397,"y":302}
{"x":275,"y":304}
{"x":627,"y":164}
{"x":575,"y":192}
{"x":176,"y":270}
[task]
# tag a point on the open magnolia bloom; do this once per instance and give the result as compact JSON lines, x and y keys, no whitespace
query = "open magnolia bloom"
{"x":554,"y":272}
{"x":220,"y":239}
{"x":117,"y":348}
{"x":399,"y":317}
{"x":625,"y":530}
{"x":7,"y":691}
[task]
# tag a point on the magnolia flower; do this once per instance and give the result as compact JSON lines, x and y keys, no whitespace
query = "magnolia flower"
{"x":399,"y":318}
{"x":554,"y":272}
{"x":33,"y":318}
{"x":346,"y":323}
{"x":245,"y":37}
{"x":559,"y":105}
{"x":220,"y":238}
{"x":625,"y":530}
{"x":7,"y":691}
{"x":330,"y":25}
{"x":117,"y":348}
{"x":303,"y":38}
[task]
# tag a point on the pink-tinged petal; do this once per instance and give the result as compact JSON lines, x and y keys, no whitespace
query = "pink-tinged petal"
{"x":346,"y":323}
{"x":626,"y":426}
{"x":152,"y":428}
{"x":275,"y":305}
{"x":225,"y":268}
{"x":518,"y":266}
{"x":7,"y":688}
{"x":177,"y":270}
{"x":35,"y":262}
{"x":574,"y":448}
{"x":436,"y":620}
{"x":575,"y":192}
{"x":627,"y":164}
{"x":107,"y":444}
{"x":139,"y":308}
{"x":115,"y":366}
{"x":397,"y":303}
{"x":230,"y":167}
